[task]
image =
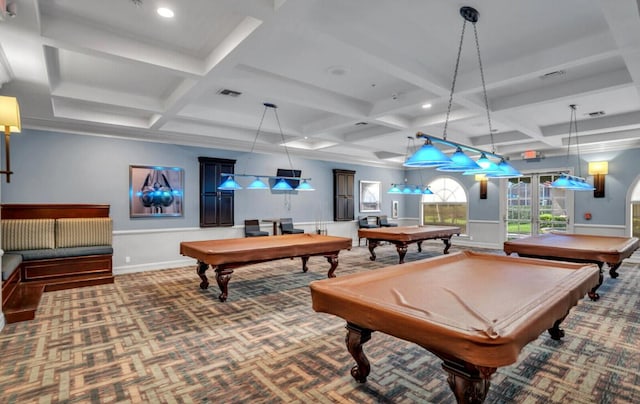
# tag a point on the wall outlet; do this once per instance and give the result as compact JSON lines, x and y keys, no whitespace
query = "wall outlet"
{"x":127,"y":259}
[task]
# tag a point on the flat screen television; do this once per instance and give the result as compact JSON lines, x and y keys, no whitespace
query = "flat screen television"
{"x":285,"y":172}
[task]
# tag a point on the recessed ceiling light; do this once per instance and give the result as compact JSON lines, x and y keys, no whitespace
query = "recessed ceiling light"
{"x":165,"y":12}
{"x":338,"y":70}
{"x":553,"y":74}
{"x":426,"y":106}
{"x":596,"y":113}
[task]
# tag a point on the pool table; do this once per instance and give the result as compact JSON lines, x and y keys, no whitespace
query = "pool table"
{"x":226,"y":254}
{"x":454,"y":306}
{"x":576,"y":248}
{"x":402,"y":236}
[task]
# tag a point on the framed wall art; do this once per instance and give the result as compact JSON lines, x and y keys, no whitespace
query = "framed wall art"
{"x":369,"y":196}
{"x":394,"y":209}
{"x":156,"y":191}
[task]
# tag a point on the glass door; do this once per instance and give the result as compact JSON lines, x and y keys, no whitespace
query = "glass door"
{"x":534,"y":208}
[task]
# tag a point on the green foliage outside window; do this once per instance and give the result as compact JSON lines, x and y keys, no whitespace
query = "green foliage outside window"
{"x":446,"y":214}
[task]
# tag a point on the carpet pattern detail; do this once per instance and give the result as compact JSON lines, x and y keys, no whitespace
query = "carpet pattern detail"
{"x":155,"y":337}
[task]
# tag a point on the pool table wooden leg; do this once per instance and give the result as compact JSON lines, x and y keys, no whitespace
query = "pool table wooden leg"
{"x":372,"y":244}
{"x":402,"y":252}
{"x":447,"y":244}
{"x":593,"y":295}
{"x":202,"y":268}
{"x":613,"y":270}
{"x":556,"y":332}
{"x":222,"y":277}
{"x":356,"y":337}
{"x":305,"y":259}
{"x":333,"y":260}
{"x":419,"y":243}
{"x":469,"y":383}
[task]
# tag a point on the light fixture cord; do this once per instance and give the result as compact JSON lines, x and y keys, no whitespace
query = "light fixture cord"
{"x":286,"y":149}
{"x":255,"y":139}
{"x":574,"y":119}
{"x":484,"y":89}
{"x":453,"y":82}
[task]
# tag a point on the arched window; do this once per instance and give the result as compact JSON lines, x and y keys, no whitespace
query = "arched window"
{"x":447,"y":206}
{"x":635,"y":211}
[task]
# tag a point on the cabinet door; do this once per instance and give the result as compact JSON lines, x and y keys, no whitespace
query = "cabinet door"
{"x":343,"y":189}
{"x":216,"y":206}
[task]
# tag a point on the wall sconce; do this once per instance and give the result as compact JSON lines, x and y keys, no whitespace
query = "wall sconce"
{"x":482,"y":179}
{"x":598,"y":169}
{"x":10,"y":120}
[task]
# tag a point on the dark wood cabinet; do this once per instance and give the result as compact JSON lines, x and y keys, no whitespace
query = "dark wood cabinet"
{"x":343,"y":191}
{"x":216,"y":206}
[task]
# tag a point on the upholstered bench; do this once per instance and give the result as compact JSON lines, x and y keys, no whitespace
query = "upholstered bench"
{"x":44,"y":254}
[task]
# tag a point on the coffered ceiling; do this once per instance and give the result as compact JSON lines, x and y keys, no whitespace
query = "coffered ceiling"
{"x":349,"y":77}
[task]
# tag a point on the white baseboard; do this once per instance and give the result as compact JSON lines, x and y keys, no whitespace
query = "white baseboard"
{"x":153,"y":266}
{"x":2,"y":323}
{"x":477,"y":244}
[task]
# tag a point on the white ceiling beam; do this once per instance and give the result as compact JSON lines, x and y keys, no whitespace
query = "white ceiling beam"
{"x":86,"y":39}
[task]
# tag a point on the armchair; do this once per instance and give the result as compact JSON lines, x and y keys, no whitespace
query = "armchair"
{"x":252,"y":228}
{"x":363,"y":223}
{"x":286,"y":226}
{"x":382,"y":221}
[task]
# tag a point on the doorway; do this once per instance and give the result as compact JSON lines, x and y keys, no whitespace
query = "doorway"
{"x":533,"y":208}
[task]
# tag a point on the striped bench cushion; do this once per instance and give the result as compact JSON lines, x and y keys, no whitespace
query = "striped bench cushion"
{"x":84,"y":232}
{"x":27,"y":234}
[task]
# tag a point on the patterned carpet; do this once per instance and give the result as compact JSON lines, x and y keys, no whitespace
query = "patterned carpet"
{"x":155,"y":337}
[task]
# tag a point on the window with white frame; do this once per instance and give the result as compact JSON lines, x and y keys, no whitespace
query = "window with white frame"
{"x":448,"y":206}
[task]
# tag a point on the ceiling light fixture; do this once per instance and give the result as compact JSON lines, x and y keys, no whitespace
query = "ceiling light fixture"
{"x":165,"y":12}
{"x":281,"y":183}
{"x":430,"y":156}
{"x":410,"y":189}
{"x":567,"y":181}
{"x":426,"y":106}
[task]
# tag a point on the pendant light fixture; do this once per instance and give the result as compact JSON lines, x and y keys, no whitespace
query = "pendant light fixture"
{"x":281,"y":183}
{"x":566,"y":181}
{"x":430,"y":156}
{"x":411,"y":189}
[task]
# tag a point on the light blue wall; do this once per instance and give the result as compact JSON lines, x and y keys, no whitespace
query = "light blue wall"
{"x":54,"y":167}
{"x":624,"y":169}
{"x":479,"y":209}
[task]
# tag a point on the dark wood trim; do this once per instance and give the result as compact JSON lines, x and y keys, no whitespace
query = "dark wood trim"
{"x":53,"y":211}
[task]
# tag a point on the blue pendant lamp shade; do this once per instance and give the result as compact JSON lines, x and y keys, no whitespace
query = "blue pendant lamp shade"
{"x":229,"y":185}
{"x":459,"y":162}
{"x":427,"y":156}
{"x":486,"y":167}
{"x":282,"y":185}
{"x":561,"y":182}
{"x":427,"y":191}
{"x":304,"y":186}
{"x":407,"y":190}
{"x":394,"y":189}
{"x":571,"y":183}
{"x":506,"y":171}
{"x":257,"y":184}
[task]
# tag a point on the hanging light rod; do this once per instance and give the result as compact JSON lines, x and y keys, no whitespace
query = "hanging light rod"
{"x":455,"y":145}
{"x":572,"y":182}
{"x":409,"y":189}
{"x":430,"y":156}
{"x":282,"y":182}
